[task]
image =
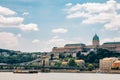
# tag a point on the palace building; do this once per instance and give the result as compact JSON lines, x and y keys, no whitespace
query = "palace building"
{"x":95,"y":41}
{"x":74,"y":48}
{"x":112,"y":46}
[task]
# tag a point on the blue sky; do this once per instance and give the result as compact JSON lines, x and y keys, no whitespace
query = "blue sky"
{"x":39,"y":25}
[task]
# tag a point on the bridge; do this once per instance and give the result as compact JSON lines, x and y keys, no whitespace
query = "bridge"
{"x":40,"y":68}
{"x":27,"y":63}
{"x":44,"y":68}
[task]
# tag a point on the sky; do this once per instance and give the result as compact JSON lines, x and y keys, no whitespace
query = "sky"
{"x":40,"y":25}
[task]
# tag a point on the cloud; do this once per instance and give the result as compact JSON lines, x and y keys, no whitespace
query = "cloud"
{"x":29,"y":27}
{"x":19,"y":35}
{"x":8,"y":40}
{"x":60,"y":30}
{"x":69,"y":4}
{"x":114,"y":24}
{"x":6,"y":11}
{"x":107,"y":13}
{"x":56,"y":40}
{"x":115,"y":39}
{"x":12,"y":21}
{"x":35,"y":41}
{"x":12,"y":41}
{"x":25,"y":13}
{"x":47,"y":45}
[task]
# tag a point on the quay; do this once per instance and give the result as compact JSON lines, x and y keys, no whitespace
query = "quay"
{"x":69,"y":71}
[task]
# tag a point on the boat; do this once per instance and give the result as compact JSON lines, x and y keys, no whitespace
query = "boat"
{"x":33,"y":71}
{"x":25,"y":71}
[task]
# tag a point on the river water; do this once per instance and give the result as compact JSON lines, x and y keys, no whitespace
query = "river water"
{"x":58,"y":76}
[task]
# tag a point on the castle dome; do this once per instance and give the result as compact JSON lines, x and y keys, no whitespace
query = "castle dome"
{"x":96,"y":38}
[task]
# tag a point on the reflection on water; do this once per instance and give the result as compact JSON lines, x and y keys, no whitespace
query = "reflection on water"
{"x":58,"y":76}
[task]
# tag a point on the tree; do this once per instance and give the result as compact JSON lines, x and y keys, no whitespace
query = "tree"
{"x":69,"y":56}
{"x":51,"y":56}
{"x":90,"y":67}
{"x":66,"y":59}
{"x":58,"y":63}
{"x":62,"y":56}
{"x":78,"y":55}
{"x":72,"y":63}
{"x":91,"y":57}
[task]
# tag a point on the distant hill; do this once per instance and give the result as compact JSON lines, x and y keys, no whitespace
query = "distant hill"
{"x":14,"y":57}
{"x":10,"y":52}
{"x":5,"y":50}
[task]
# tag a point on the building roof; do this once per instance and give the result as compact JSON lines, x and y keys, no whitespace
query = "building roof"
{"x":117,"y":61}
{"x":96,"y":37}
{"x":112,"y":43}
{"x":110,"y":59}
{"x":79,"y":60}
{"x":80,"y":44}
{"x":107,"y":59}
{"x":64,"y":63}
{"x":116,"y":64}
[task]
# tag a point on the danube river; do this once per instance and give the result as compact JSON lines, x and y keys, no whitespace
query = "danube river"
{"x":58,"y":76}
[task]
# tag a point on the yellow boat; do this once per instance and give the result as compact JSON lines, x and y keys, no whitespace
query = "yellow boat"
{"x":25,"y":71}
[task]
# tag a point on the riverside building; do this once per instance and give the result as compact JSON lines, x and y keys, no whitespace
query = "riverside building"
{"x":109,"y":63}
{"x":72,"y":49}
{"x":106,"y":63}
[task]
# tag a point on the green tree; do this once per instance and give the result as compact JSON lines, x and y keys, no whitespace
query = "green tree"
{"x":66,"y":59}
{"x":91,"y":57}
{"x":90,"y":67}
{"x":61,"y":56}
{"x":51,"y":56}
{"x":72,"y":63}
{"x":69,"y":56}
{"x":58,"y":63}
{"x":78,"y":55}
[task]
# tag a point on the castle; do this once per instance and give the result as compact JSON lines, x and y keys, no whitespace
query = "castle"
{"x":74,"y":48}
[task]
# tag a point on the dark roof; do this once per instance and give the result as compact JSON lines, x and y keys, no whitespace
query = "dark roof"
{"x":112,"y":43}
{"x":96,"y":37}
{"x":80,"y":44}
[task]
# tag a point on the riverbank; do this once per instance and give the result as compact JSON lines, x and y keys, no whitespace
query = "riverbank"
{"x":74,"y":71}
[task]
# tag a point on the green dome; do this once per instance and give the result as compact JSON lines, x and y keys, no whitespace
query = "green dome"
{"x":96,"y":37}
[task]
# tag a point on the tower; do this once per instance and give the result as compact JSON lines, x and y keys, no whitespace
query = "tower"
{"x":45,"y":64}
{"x":95,"y":41}
{"x":45,"y":61}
